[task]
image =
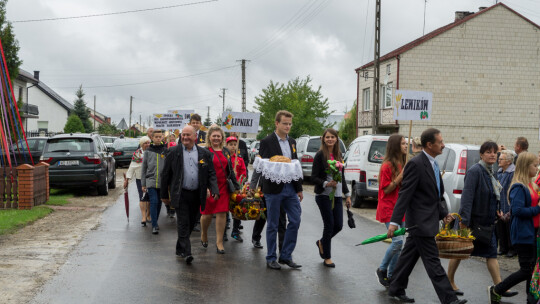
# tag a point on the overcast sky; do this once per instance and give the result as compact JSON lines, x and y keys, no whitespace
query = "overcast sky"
{"x":180,"y":57}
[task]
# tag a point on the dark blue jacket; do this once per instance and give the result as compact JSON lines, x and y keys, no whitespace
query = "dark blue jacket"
{"x":522,"y":227}
{"x":505,"y":178}
{"x":478,"y":201}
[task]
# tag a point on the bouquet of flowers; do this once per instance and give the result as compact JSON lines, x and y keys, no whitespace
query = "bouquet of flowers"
{"x":334,"y":170}
{"x":247,"y":204}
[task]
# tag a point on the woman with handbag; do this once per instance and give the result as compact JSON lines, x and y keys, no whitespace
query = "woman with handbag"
{"x":326,"y":186}
{"x":523,"y":197}
{"x":135,"y":171}
{"x":226,"y":179}
{"x":479,"y":207}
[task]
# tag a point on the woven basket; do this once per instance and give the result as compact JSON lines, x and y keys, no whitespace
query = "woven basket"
{"x":247,"y":204}
{"x":458,"y":248}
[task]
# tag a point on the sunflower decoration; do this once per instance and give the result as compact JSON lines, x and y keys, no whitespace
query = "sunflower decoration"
{"x":238,"y":211}
{"x":253,"y":213}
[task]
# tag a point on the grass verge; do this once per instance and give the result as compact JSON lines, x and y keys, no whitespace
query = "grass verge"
{"x":13,"y":219}
{"x":59,"y":197}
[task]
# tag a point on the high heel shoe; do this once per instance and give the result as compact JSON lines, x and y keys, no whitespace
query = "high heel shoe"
{"x":204,"y":244}
{"x":319,"y":248}
{"x":220,"y":251}
{"x":143,"y":224}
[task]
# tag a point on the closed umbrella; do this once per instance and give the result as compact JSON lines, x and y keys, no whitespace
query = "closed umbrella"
{"x":350,"y":221}
{"x":384,"y":236}
{"x":126,"y":200}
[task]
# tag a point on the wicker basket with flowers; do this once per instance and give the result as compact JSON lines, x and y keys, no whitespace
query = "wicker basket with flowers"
{"x":454,"y":243}
{"x":247,"y":204}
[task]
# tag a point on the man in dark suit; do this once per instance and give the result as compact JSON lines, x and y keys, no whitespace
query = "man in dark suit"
{"x":195,"y":122}
{"x":420,"y":199}
{"x":283,"y":195}
{"x":189,"y":177}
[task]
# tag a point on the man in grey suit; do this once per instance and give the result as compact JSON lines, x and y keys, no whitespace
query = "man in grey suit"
{"x":420,"y":199}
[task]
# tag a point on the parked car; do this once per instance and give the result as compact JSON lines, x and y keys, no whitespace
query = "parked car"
{"x":124,"y":149}
{"x":253,"y":150}
{"x":19,"y":153}
{"x":306,"y":148}
{"x":109,"y":140}
{"x":454,"y":163}
{"x":80,"y":160}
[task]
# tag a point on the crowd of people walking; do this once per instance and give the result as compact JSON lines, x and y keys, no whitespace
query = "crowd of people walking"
{"x":195,"y":177}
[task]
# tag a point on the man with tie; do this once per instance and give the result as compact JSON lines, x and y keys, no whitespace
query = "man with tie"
{"x":283,"y":195}
{"x":195,"y":122}
{"x":421,"y":200}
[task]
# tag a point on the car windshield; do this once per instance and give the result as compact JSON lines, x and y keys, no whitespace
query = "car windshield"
{"x":473,"y":156}
{"x":313,"y":145}
{"x":108,"y":140}
{"x":69,"y":145}
{"x":377,"y":151}
{"x":126,"y":144}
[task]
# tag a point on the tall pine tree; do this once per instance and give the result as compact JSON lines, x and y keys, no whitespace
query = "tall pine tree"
{"x":81,"y":110}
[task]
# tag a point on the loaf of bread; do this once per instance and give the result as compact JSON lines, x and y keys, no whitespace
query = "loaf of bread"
{"x":280,"y":159}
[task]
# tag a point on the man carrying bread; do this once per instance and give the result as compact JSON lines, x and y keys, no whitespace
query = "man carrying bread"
{"x":285,"y":195}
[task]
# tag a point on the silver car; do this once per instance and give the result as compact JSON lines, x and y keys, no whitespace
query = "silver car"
{"x":454,"y":162}
{"x":306,"y":148}
{"x":253,"y":150}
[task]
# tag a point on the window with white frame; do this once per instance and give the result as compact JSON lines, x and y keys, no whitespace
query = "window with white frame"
{"x":386,"y":96}
{"x":387,"y":69}
{"x":366,"y":99}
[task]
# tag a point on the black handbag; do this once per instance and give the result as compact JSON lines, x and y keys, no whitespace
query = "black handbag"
{"x":483,"y":234}
{"x":230,"y":184}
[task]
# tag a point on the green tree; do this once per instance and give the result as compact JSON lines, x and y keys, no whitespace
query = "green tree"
{"x":82,"y":111}
{"x":309,"y":107}
{"x":9,"y":43}
{"x":107,"y":129}
{"x":347,"y":127}
{"x":74,"y":124}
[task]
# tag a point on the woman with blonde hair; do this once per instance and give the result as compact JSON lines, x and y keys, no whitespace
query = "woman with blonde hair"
{"x":215,"y":138}
{"x":135,"y":171}
{"x":523,"y":198}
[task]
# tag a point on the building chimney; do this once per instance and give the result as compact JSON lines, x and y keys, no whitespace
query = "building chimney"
{"x":481,"y":8}
{"x":462,"y":14}
{"x":36,"y":75}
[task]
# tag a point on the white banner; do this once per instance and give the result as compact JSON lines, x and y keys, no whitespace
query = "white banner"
{"x":412,"y":105}
{"x":173,"y":120}
{"x":243,"y":122}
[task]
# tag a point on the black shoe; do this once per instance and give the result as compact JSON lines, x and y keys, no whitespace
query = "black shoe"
{"x":459,"y":302}
{"x":402,"y":298}
{"x":237,"y":237}
{"x":155,"y":230}
{"x":289,"y":263}
{"x":257,"y":244}
{"x":204,"y":244}
{"x":189,"y":259}
{"x":510,"y":254}
{"x":157,"y":227}
{"x":382,"y":277}
{"x":502,"y":252}
{"x":458,"y":292}
{"x":331,"y":265}
{"x":225,"y":238}
{"x":197,"y":228}
{"x":493,"y":297}
{"x":240,"y":227}
{"x":273,"y":265}
{"x":220,"y":251}
{"x":143,"y":224}
{"x":509,"y":294}
{"x":319,"y":249}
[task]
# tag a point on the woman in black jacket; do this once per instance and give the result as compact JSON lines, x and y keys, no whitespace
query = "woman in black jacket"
{"x":325,"y":187}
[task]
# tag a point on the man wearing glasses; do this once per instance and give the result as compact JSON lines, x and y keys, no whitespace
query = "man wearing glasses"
{"x":505,"y":175}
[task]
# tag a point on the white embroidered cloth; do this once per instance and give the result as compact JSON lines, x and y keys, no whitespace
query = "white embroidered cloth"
{"x":278,"y":172}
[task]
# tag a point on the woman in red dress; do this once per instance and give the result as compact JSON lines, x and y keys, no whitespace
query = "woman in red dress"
{"x":223,"y":167}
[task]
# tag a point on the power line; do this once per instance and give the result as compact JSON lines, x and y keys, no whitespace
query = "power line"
{"x":152,"y":81}
{"x":114,"y":13}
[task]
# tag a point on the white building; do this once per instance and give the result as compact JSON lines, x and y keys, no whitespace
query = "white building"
{"x":483,"y":70}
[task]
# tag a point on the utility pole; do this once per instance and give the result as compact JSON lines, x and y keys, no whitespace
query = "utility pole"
{"x":208,"y":115}
{"x":94,"y":113}
{"x":376,"y":69}
{"x":243,"y":61}
{"x":130,"y":110}
{"x":223,"y":96}
{"x":140,"y":123}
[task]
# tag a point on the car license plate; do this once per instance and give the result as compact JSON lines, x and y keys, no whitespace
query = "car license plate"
{"x":68,"y":163}
{"x":373,"y":183}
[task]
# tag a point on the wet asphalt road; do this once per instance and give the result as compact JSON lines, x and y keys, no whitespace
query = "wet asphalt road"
{"x":121,"y":262}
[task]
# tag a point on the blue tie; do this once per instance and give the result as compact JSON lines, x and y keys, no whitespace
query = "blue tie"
{"x":437,"y":176}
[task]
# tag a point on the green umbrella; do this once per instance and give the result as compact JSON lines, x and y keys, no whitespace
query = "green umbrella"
{"x":384,"y":236}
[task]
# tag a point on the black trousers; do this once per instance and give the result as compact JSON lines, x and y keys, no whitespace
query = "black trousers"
{"x":425,"y":248}
{"x":503,"y":234}
{"x":527,"y":260}
{"x":186,"y":218}
{"x":282,"y":226}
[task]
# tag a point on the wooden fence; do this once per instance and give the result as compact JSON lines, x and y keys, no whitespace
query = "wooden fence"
{"x":24,"y":187}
